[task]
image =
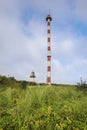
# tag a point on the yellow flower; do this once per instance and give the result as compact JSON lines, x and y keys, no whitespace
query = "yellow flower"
{"x":69,"y":121}
{"x":57,"y":126}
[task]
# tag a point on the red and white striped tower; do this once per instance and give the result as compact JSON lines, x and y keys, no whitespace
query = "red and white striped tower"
{"x":48,"y":19}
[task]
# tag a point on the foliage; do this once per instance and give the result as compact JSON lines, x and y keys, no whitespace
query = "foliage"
{"x":13,"y":83}
{"x":43,"y":108}
{"x":82,"y":85}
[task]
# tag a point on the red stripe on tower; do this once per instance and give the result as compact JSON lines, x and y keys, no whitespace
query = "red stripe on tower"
{"x":49,"y":68}
{"x":48,"y":23}
{"x":49,"y":31}
{"x":48,"y":58}
{"x":48,"y":39}
{"x":49,"y":48}
{"x":48,"y":19}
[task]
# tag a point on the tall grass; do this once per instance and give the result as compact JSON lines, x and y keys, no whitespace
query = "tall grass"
{"x":43,"y":108}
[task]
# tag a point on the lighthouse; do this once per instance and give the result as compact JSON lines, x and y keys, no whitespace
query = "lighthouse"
{"x":49,"y":19}
{"x":32,"y":77}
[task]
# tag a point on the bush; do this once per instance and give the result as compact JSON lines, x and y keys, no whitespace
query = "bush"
{"x":82,"y":85}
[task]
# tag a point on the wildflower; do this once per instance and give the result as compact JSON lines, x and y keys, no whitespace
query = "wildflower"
{"x":69,"y":121}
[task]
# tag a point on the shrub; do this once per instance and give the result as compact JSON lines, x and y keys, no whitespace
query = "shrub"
{"x":82,"y":85}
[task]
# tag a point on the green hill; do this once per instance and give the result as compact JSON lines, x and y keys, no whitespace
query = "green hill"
{"x":42,"y":107}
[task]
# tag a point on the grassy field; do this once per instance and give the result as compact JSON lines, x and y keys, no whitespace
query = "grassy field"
{"x":43,"y":108}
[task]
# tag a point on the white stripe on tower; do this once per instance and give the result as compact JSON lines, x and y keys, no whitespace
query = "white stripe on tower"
{"x":48,"y":19}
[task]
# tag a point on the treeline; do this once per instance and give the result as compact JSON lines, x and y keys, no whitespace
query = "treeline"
{"x":12,"y":82}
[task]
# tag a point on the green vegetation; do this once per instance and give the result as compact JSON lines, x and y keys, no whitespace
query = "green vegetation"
{"x":42,"y":107}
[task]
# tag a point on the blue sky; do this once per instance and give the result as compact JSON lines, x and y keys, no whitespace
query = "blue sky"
{"x":23,"y":39}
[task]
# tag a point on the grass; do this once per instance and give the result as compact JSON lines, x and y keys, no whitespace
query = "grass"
{"x":43,"y":108}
